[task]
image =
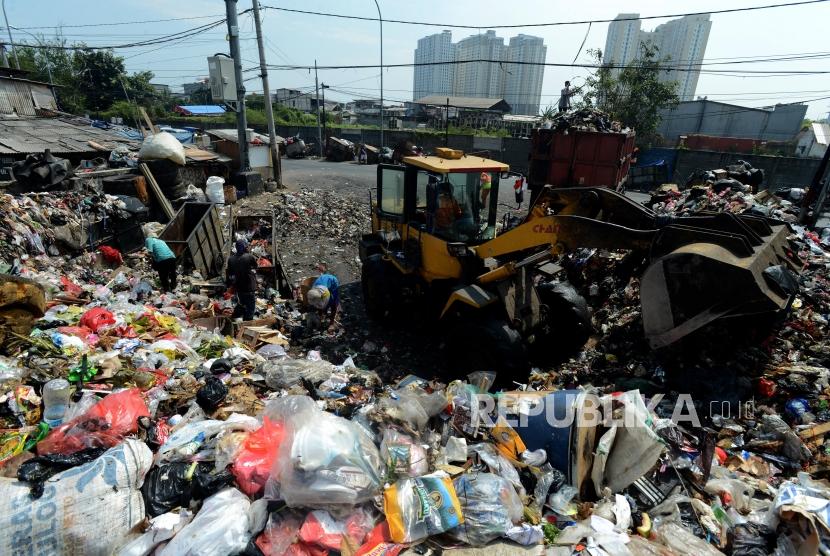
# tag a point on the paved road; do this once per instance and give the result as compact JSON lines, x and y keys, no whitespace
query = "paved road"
{"x":356,"y":180}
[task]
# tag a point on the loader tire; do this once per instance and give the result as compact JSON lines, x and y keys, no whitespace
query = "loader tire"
{"x":487,"y":345}
{"x":373,"y":281}
{"x":567,"y":322}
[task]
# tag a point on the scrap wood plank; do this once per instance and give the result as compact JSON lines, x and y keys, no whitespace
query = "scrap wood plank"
{"x":151,"y":126}
{"x":154,"y":187}
{"x":816,"y":430}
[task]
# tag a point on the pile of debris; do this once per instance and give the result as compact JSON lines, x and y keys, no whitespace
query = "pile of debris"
{"x":585,"y":119}
{"x":185,"y":433}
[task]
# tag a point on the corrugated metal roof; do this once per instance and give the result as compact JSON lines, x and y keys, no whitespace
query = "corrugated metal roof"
{"x":24,"y":98}
{"x":466,"y":102}
{"x":822,"y":132}
{"x":231,"y":135}
{"x":60,"y":135}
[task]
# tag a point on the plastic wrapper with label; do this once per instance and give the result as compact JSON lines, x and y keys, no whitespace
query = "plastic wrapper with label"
{"x":420,"y":507}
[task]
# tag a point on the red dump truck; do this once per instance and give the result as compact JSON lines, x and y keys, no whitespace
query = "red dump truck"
{"x":579,"y":158}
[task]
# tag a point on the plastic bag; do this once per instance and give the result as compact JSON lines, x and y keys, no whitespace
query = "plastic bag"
{"x":170,"y":485}
{"x":189,"y":438}
{"x":212,"y":394}
{"x":753,"y":539}
{"x":326,"y":461}
{"x":215,"y":189}
{"x":104,"y":425}
{"x":256,"y":457}
{"x":379,"y":543}
{"x":402,"y":455}
{"x":413,"y":407}
{"x":418,"y":508}
{"x":280,"y":533}
{"x":162,"y":528}
{"x":193,"y":193}
{"x":287,"y":373}
{"x":683,"y":542}
{"x":162,"y":146}
{"x":323,"y":530}
{"x":37,"y":470}
{"x":220,"y":528}
{"x":490,"y":507}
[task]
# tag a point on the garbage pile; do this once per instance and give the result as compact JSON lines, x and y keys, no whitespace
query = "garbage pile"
{"x":314,"y":226}
{"x":585,"y":119}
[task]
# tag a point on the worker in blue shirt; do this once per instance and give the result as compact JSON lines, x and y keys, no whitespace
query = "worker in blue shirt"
{"x":324,"y":295}
{"x":163,"y":262}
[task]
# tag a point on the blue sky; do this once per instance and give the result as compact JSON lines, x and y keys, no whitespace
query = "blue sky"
{"x":300,"y":39}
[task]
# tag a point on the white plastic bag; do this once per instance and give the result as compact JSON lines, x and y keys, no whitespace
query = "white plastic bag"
{"x":490,"y":507}
{"x":162,"y":146}
{"x":220,"y":528}
{"x":215,"y":189}
{"x":326,"y":461}
{"x":162,"y":527}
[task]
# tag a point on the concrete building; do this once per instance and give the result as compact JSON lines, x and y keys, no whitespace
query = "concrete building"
{"x":813,"y":141}
{"x":195,"y":87}
{"x":480,"y":79}
{"x":681,"y":41}
{"x":438,"y":79}
{"x":305,"y":102}
{"x":781,"y":122}
{"x":623,"y":40}
{"x":523,"y":83}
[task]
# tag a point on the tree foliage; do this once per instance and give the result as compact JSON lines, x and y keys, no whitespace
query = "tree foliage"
{"x":635,"y":94}
{"x":90,"y":81}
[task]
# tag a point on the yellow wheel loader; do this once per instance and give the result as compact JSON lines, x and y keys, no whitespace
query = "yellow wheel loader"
{"x":435,"y":246}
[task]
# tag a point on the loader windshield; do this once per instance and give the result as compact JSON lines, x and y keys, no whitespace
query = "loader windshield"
{"x":465,"y":206}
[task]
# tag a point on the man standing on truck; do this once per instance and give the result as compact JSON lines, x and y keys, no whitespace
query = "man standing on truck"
{"x":241,"y":274}
{"x":565,"y":97}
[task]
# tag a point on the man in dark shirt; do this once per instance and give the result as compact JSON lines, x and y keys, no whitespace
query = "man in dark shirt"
{"x":241,"y":275}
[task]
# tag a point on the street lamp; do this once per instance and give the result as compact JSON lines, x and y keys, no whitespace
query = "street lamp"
{"x":380,"y":19}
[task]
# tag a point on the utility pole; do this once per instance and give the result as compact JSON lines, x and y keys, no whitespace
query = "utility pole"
{"x":447,"y":125}
{"x":380,"y":19}
{"x":241,"y":118}
{"x":317,"y":94}
{"x":323,"y":87}
{"x":266,"y":91}
{"x":11,"y":40}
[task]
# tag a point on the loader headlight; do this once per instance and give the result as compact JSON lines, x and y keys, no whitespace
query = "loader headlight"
{"x":457,"y":249}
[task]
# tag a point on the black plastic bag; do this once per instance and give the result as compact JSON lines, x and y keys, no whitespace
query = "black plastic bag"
{"x":753,"y":539}
{"x":211,"y":394}
{"x":38,"y":470}
{"x":221,"y":366}
{"x":173,"y":485}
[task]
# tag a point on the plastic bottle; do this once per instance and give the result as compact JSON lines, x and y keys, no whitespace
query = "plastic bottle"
{"x":55,"y":401}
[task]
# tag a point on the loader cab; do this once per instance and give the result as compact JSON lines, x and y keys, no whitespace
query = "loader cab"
{"x":452,"y":197}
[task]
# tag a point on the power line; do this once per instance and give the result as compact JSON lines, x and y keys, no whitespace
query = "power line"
{"x":550,"y":24}
{"x":124,"y":22}
{"x":555,"y":64}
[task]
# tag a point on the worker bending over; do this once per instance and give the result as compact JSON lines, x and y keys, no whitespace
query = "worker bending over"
{"x":241,"y":274}
{"x":324,"y":295}
{"x":163,"y":261}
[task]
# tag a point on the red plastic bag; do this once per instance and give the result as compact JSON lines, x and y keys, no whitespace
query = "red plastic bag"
{"x":111,"y":254}
{"x":253,"y":463}
{"x":96,"y":318}
{"x":103,"y":426}
{"x":321,"y":529}
{"x":380,"y":543}
{"x":71,"y":287}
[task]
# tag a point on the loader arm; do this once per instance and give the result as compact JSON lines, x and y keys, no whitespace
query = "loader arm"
{"x":702,"y":268}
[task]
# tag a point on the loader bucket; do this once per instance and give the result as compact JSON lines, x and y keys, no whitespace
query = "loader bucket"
{"x":710,"y":267}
